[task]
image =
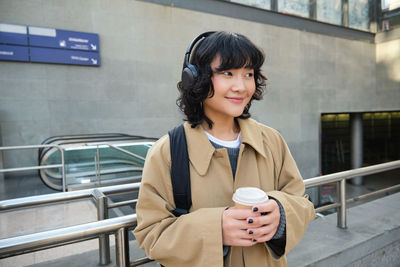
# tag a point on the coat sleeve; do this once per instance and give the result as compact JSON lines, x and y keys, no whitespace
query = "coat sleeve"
{"x":193,"y":239}
{"x":299,"y":210}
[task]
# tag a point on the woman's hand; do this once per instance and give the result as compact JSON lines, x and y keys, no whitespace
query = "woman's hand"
{"x":242,"y":227}
{"x":234,"y":227}
{"x":264,"y":225}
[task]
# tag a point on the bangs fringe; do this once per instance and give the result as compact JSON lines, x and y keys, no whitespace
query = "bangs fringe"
{"x":238,"y":53}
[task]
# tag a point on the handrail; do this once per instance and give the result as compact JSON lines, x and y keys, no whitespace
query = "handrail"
{"x":335,"y":177}
{"x":54,"y":238}
{"x":125,"y":151}
{"x":33,"y":242}
{"x":375,"y":193}
{"x":361,"y":197}
{"x":26,"y":147}
{"x":122,"y":203}
{"x":64,"y":196}
{"x":96,"y":194}
{"x":97,"y":156}
{"x":97,"y":144}
{"x":31,"y":168}
{"x":340,"y":178}
{"x":62,"y":165}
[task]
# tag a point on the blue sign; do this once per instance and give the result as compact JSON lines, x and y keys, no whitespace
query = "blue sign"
{"x":47,"y":37}
{"x":13,"y":34}
{"x":63,"y":56}
{"x":14,"y":53}
{"x":47,"y":45}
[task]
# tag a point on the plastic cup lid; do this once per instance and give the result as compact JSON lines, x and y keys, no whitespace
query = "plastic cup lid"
{"x":249,"y":196}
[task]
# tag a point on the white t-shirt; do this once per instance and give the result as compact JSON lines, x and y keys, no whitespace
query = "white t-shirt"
{"x":231,"y":144}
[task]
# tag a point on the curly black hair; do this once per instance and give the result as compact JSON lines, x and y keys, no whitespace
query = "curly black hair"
{"x":236,"y":51}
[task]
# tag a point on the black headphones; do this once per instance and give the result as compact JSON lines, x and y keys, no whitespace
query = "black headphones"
{"x":189,"y":71}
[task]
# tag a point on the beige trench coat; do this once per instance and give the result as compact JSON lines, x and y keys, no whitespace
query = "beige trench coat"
{"x":195,"y":239}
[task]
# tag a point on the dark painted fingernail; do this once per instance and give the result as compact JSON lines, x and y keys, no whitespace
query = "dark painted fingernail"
{"x":250,"y":232}
{"x":254,"y":240}
{"x":255,"y":209}
{"x":263,"y":213}
{"x":250,"y":221}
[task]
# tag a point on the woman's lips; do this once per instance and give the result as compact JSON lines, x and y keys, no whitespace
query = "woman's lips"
{"x":235,"y":99}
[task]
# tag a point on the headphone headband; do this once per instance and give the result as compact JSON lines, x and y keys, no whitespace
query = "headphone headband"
{"x":193,"y":43}
{"x":189,"y":71}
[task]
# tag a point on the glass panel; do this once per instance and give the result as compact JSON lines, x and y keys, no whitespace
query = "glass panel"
{"x":335,"y":142}
{"x":295,"y":7}
{"x":388,"y":5}
{"x":329,"y":11}
{"x":80,"y":163}
{"x":358,"y":14}
{"x":264,"y":4}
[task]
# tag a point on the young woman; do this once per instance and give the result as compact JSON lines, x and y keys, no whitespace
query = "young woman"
{"x":227,"y":150}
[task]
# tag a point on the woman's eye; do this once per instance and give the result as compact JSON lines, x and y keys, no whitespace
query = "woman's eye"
{"x":227,"y":73}
{"x":249,"y":75}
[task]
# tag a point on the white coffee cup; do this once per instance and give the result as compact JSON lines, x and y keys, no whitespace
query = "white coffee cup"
{"x":247,"y":197}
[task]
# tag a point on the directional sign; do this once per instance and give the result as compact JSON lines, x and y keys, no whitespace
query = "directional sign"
{"x":64,"y":56}
{"x":13,"y":34}
{"x":14,"y":53}
{"x":48,"y":45}
{"x":48,"y":37}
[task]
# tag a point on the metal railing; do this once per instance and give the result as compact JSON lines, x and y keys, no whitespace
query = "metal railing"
{"x":98,"y":195}
{"x":97,"y":156}
{"x":54,"y":238}
{"x":26,"y":202}
{"x":62,"y":165}
{"x":102,"y":200}
{"x":118,"y":226}
{"x":341,"y":177}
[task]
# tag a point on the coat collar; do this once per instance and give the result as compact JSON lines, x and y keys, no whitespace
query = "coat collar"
{"x":252,"y":135}
{"x":200,"y":149}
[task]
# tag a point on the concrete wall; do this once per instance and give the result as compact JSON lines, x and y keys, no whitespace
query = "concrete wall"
{"x":134,"y":91}
{"x":388,"y":68}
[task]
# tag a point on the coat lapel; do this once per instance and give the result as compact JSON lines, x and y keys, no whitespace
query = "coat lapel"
{"x":200,"y":149}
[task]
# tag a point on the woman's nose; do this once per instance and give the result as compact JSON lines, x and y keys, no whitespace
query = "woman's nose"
{"x":238,"y":84}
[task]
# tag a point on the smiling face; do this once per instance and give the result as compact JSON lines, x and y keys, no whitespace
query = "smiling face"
{"x":233,"y":90}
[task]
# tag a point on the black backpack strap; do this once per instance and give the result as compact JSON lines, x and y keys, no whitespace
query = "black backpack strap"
{"x":180,"y":175}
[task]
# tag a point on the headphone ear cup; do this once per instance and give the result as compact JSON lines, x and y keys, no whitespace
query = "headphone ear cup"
{"x":189,"y":74}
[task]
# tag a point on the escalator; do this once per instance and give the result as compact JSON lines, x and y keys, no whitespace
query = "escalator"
{"x":83,"y":170}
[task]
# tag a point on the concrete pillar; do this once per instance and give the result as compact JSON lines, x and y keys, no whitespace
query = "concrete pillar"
{"x":356,"y":125}
{"x":313,"y":9}
{"x":345,"y":13}
{"x":374,"y":13}
{"x":274,"y":5}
